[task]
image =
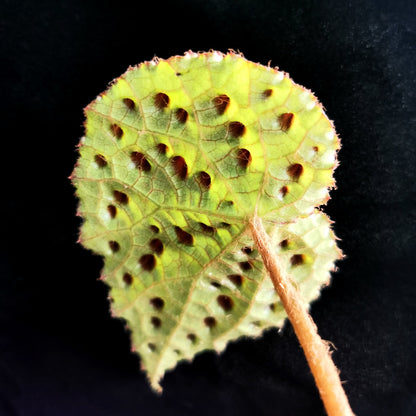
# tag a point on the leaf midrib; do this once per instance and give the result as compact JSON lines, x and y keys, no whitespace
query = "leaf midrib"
{"x":195,"y":278}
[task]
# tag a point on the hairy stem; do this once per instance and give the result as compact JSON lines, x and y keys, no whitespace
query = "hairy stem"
{"x":316,"y":350}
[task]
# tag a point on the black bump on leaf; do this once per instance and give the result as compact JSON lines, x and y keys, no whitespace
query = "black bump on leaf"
{"x":207,"y":228}
{"x":114,"y":246}
{"x":129,"y":103}
{"x":112,"y":211}
{"x":100,"y":161}
{"x":295,"y":170}
{"x":236,"y":129}
{"x":161,"y":100}
{"x":297,"y":259}
{"x":210,"y":321}
{"x":180,"y":167}
{"x":284,"y":243}
{"x":120,"y":197}
{"x":158,"y":303}
{"x":156,"y":322}
{"x":246,"y":265}
{"x":221,"y":103}
{"x":127,"y":279}
{"x":140,"y":161}
{"x":285,"y":121}
{"x":117,"y":131}
{"x":181,"y":115}
{"x":154,"y":229}
{"x":247,"y":250}
{"x":184,"y":237}
{"x":156,"y":246}
{"x":148,"y":262}
{"x":237,"y":279}
{"x":204,"y":180}
{"x":162,"y":148}
{"x":243,"y":158}
{"x":225,"y":302}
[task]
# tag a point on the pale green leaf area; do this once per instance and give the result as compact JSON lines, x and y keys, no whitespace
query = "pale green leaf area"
{"x":177,"y":156}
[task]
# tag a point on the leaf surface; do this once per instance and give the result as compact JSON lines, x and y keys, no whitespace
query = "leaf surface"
{"x":177,"y":156}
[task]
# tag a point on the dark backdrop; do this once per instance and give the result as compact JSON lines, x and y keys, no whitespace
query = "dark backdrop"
{"x":60,"y":351}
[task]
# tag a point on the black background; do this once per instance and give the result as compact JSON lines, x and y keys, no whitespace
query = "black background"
{"x":60,"y":351}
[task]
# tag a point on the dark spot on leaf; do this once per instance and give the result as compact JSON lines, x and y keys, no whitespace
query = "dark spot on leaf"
{"x":285,"y":121}
{"x":236,"y":129}
{"x":156,"y":322}
{"x":178,"y":74}
{"x":117,"y":131}
{"x":140,"y":161}
{"x":157,"y":303}
{"x":297,"y":259}
{"x":162,"y":148}
{"x":100,"y":161}
{"x":114,"y":246}
{"x":127,"y":279}
{"x":315,"y":149}
{"x":243,"y":158}
{"x":180,"y":167}
{"x":256,"y":323}
{"x":204,"y":180}
{"x":129,"y":103}
{"x":207,"y":228}
{"x":221,"y":103}
{"x":161,"y":100}
{"x":272,"y":307}
{"x":148,"y":262}
{"x":246,"y":265}
{"x":152,"y":347}
{"x":237,"y":279}
{"x":177,"y":352}
{"x":295,"y":170}
{"x":154,"y":229}
{"x":284,"y":190}
{"x":284,"y":243}
{"x":112,"y":210}
{"x":192,"y":338}
{"x":156,"y":246}
{"x":210,"y":321}
{"x":215,"y":284}
{"x":225,"y":302}
{"x":247,"y":250}
{"x":120,"y":197}
{"x":225,"y":225}
{"x":184,"y":237}
{"x":181,"y":115}
{"x":267,"y":93}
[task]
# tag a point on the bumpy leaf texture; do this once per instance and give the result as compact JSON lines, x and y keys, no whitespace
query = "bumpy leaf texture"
{"x":177,"y":156}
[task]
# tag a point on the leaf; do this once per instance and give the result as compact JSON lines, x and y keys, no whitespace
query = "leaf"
{"x":178,"y":155}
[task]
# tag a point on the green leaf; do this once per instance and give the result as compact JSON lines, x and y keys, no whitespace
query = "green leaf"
{"x":177,"y":156}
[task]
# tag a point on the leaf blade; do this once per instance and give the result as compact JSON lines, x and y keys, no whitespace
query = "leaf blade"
{"x":251,"y":141}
